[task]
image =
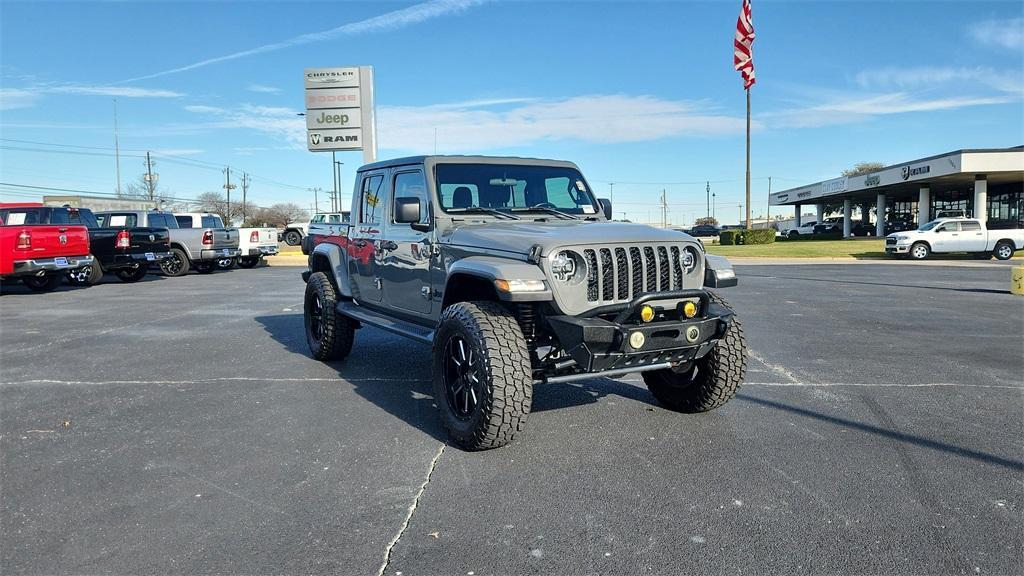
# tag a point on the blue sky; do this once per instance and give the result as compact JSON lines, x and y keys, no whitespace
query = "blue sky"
{"x":641,"y":94}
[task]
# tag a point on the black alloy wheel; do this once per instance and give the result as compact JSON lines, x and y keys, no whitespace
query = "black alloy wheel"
{"x":463,"y":388}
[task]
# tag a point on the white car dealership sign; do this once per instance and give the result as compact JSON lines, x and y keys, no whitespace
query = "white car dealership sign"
{"x":339,"y":110}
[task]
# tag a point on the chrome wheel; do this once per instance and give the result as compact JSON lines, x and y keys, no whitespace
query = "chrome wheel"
{"x":463,"y":388}
{"x":919,"y":251}
{"x":1004,"y":252}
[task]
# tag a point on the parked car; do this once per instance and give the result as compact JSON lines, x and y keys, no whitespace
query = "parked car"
{"x":899,"y":224}
{"x":829,"y":226}
{"x":517,"y":276}
{"x":218,"y":247}
{"x":254,"y":244}
{"x":294,"y":233}
{"x":38,"y":254}
{"x":805,"y":229}
{"x":955,"y":235}
{"x":118,"y":247}
{"x":198,"y":248}
{"x":704,"y":231}
{"x":321,"y":225}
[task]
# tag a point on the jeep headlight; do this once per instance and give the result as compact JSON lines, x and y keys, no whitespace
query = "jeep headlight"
{"x":690,"y":259}
{"x":567,"y":265}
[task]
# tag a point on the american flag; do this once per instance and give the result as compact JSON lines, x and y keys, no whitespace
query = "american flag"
{"x":743,"y":44}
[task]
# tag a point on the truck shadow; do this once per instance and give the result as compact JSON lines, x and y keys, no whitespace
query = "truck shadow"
{"x":14,"y":287}
{"x":394,"y":374}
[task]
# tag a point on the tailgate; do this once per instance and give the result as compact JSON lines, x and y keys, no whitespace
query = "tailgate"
{"x":49,"y":241}
{"x":149,"y":239}
{"x":268,"y":237}
{"x":225,"y":238}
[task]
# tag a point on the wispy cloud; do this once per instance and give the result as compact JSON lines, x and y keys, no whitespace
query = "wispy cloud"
{"x":850,"y":109}
{"x":262,"y":89}
{"x":179,"y":152}
{"x":928,"y":77}
{"x":1005,"y":33}
{"x":474,"y":126}
{"x":13,"y":98}
{"x":389,"y":21}
{"x":278,"y":122}
{"x":114,"y":91}
{"x":478,"y":125}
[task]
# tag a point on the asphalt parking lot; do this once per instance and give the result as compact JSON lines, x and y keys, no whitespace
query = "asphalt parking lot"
{"x":179,"y":426}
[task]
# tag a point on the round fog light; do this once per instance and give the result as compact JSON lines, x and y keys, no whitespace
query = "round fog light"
{"x":636,"y":340}
{"x":689,"y":309}
{"x":647,"y":313}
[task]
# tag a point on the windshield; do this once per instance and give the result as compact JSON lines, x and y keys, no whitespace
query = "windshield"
{"x":506,"y":187}
{"x":929,"y":225}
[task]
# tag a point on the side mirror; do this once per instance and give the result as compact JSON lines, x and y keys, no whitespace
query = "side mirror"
{"x":407,"y":210}
{"x":606,"y":207}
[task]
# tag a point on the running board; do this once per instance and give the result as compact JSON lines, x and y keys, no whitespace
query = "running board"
{"x":393,"y":325}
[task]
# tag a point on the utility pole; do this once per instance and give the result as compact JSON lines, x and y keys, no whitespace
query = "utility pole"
{"x":149,"y":177}
{"x":245,"y":193}
{"x":740,"y":206}
{"x":713,"y":208}
{"x":664,"y":210}
{"x":707,"y":191}
{"x":316,"y":201}
{"x":768,"y":210}
{"x":337,"y":166}
{"x":334,"y":178}
{"x":611,"y":193}
{"x":228,"y":186}
{"x":117,"y":152}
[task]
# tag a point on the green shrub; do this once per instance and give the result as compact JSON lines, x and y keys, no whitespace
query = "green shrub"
{"x":758,"y":236}
{"x":729,"y":237}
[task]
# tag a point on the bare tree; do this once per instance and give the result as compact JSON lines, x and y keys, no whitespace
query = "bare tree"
{"x":705,"y":220}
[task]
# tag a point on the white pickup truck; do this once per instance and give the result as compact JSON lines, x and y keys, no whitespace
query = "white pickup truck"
{"x":255,"y":243}
{"x":946,"y":235}
{"x":804,"y":229}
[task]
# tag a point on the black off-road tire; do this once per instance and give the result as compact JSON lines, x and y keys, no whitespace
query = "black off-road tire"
{"x":248,"y":261}
{"x":131,"y":274}
{"x":1003,"y":250}
{"x":919,"y":251}
{"x":714,"y":379}
{"x":502,"y":369}
{"x":86,"y":275}
{"x":328,"y":333}
{"x":177,"y":264}
{"x":47,"y":283}
{"x":292,"y":238}
{"x":206,"y":266}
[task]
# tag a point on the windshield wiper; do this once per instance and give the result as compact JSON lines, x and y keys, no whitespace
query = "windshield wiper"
{"x":482,"y":210}
{"x":559,"y":213}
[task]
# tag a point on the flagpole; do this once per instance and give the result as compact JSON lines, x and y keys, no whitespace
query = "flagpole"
{"x":748,"y":158}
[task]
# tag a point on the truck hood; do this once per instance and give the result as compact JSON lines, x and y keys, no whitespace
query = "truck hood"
{"x":520,"y":236}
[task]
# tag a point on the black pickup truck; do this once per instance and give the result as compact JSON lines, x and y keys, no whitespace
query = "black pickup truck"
{"x":124,"y":250}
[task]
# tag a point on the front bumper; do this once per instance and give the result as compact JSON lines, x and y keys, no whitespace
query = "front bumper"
{"x":38,"y":266}
{"x":262,"y":251}
{"x":897,"y":249}
{"x":210,"y":254}
{"x":597,"y":344}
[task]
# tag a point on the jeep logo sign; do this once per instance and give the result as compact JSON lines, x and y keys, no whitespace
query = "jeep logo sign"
{"x":340,"y":110}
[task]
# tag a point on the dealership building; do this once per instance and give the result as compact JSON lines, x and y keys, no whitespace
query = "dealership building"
{"x":988,"y":184}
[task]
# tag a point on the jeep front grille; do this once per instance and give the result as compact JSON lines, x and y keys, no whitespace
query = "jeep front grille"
{"x":621,"y":274}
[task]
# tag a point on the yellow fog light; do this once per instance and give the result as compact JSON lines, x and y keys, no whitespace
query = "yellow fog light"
{"x":647,"y":313}
{"x":689,"y":309}
{"x":636,"y":340}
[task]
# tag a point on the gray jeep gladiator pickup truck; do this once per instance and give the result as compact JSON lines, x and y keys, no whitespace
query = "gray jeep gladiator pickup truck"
{"x":515,"y":274}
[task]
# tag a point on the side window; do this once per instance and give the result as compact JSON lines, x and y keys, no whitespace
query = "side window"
{"x":949,"y":227}
{"x":119,"y":220}
{"x":59,"y":216}
{"x":334,"y":218}
{"x":412,"y":185}
{"x":317,"y":219}
{"x":970,"y":226}
{"x":184,"y":221}
{"x":370,"y":200}
{"x":101,"y":220}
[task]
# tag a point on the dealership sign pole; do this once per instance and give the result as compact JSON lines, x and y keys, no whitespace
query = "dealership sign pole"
{"x":340,"y":110}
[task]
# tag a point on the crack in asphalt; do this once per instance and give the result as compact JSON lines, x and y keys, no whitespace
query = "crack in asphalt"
{"x":412,"y":510}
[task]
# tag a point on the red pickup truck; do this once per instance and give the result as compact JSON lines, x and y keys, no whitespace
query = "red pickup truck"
{"x":41,"y":255}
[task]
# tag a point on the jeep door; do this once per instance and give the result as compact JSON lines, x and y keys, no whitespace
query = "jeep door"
{"x":365,"y":237}
{"x":405,"y":253}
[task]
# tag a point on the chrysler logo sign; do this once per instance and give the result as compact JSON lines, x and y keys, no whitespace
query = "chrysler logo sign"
{"x":330,"y":76}
{"x":909,"y":171}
